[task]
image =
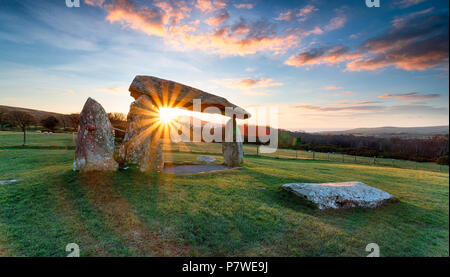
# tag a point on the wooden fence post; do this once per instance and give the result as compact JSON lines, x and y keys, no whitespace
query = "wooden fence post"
{"x":343,"y":158}
{"x":328,"y":156}
{"x":314,"y":155}
{"x":296,"y":154}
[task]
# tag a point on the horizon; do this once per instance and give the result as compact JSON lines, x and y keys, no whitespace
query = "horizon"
{"x":206,"y":117}
{"x":327,"y":66}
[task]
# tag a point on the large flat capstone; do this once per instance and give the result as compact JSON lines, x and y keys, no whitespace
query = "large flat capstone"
{"x":164,"y":92}
{"x":339,"y":195}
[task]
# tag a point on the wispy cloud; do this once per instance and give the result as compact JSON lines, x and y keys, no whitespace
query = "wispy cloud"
{"x":249,"y":83}
{"x":407,"y":3}
{"x":332,"y":87}
{"x":300,"y":14}
{"x":247,"y":6}
{"x":411,"y":97}
{"x":343,"y":93}
{"x":323,"y":55}
{"x":343,"y":109}
{"x":120,"y":90}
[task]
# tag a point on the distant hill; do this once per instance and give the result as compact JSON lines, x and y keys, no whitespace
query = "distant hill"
{"x":63,"y":119}
{"x":394,"y":131}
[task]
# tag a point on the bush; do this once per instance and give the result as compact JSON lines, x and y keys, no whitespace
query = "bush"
{"x":50,"y":123}
{"x":442,"y":160}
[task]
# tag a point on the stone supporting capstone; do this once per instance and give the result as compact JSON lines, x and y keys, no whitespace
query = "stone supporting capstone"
{"x":233,"y":151}
{"x":142,"y":145}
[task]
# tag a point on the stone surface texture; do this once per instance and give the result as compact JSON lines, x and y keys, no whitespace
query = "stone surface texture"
{"x":141,"y":146}
{"x":180,"y":95}
{"x":233,"y":153}
{"x":339,"y":195}
{"x":95,"y":140}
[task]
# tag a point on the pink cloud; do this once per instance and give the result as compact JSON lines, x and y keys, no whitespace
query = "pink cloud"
{"x":316,"y":56}
{"x":167,"y":21}
{"x":249,"y":83}
{"x":332,"y":87}
{"x":336,"y":23}
{"x":218,"y":19}
{"x":305,"y":11}
{"x":149,"y":21}
{"x":286,"y":16}
{"x":408,"y":3}
{"x":411,"y":97}
{"x":244,"y":6}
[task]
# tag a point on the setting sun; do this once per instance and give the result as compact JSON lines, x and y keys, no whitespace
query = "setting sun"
{"x":166,"y":115}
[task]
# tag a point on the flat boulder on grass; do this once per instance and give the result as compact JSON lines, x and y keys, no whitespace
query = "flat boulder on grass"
{"x":206,"y":159}
{"x":339,"y":195}
{"x":95,"y":140}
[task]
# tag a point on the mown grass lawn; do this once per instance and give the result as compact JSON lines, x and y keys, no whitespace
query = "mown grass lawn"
{"x":239,"y":213}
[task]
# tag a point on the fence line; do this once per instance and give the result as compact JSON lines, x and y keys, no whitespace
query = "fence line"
{"x":249,"y":150}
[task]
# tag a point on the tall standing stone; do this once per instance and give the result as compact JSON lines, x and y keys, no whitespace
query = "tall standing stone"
{"x":233,"y":153}
{"x":95,"y":141}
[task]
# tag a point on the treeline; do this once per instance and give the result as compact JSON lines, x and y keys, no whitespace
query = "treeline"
{"x":432,"y":149}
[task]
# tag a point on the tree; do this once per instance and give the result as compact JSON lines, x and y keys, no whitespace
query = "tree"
{"x":23,"y":120}
{"x":3,"y":118}
{"x":75,"y":118}
{"x":118,"y":120}
{"x":50,"y":122}
{"x":119,"y":123}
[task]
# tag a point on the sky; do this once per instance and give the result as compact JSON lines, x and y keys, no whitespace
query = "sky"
{"x":326,"y":65}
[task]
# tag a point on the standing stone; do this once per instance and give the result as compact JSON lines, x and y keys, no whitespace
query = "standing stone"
{"x":95,"y":141}
{"x":142,"y":145}
{"x":233,"y":153}
{"x":232,"y":149}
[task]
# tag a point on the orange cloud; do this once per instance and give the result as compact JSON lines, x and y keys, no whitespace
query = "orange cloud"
{"x":173,"y":13}
{"x":94,"y":2}
{"x":418,"y":41}
{"x":166,"y":21}
{"x":208,"y":6}
{"x":328,"y":55}
{"x":149,"y":21}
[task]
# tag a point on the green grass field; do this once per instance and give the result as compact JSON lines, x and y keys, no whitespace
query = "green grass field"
{"x":241,"y":213}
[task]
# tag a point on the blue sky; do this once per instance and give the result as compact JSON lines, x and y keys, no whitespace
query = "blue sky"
{"x":327,"y":65}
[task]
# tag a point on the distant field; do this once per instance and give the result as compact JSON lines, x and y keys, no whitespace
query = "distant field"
{"x":35,"y":140}
{"x":242,"y":213}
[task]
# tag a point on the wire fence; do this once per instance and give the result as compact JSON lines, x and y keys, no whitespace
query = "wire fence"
{"x":252,"y":150}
